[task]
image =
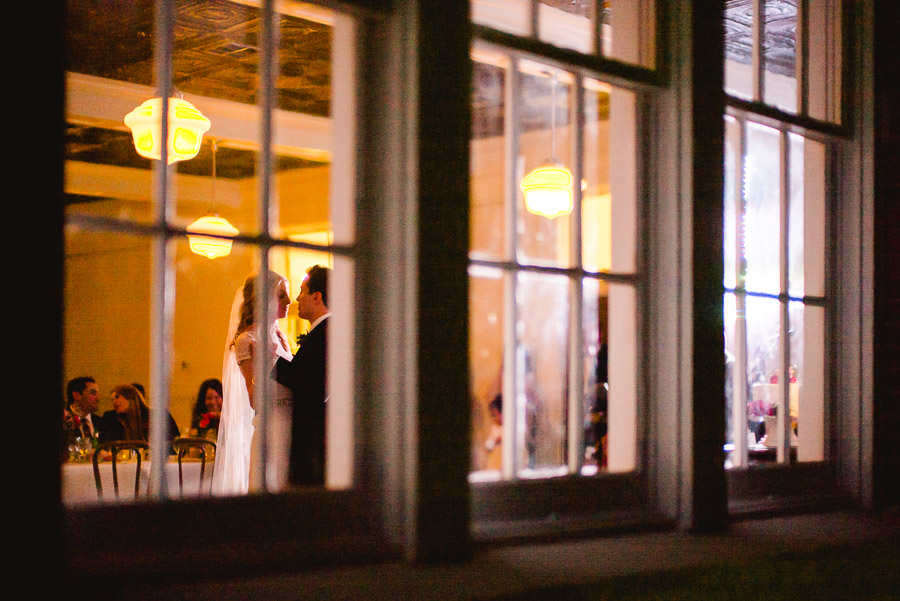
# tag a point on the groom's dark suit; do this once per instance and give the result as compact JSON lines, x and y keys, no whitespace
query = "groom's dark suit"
{"x":305,"y":376}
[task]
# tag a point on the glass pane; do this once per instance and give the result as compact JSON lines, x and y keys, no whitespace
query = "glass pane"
{"x":732,"y":233}
{"x":596,"y":368}
{"x":623,"y":378}
{"x":486,"y":319}
{"x":763,"y":369}
{"x":807,"y":217}
{"x":568,"y":24}
{"x":629,"y":31}
{"x":780,"y":55}
{"x":825,"y":51}
{"x":808,"y":380}
{"x":609,"y":187}
{"x":762,"y":234}
{"x":107,"y":325}
{"x":511,"y":16}
{"x":488,"y":213}
{"x":546,"y":163}
{"x":739,"y":76}
{"x":104,"y":174}
{"x":730,"y":321}
{"x":543,"y":323}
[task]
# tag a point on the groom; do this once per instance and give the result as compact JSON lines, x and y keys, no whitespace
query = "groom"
{"x":305,"y":376}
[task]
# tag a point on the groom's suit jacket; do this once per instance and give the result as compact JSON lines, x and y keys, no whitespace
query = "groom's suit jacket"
{"x":305,"y":376}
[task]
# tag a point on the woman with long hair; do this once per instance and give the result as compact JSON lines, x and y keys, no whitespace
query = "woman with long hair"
{"x":208,"y":406}
{"x":239,"y":441}
{"x":130,"y":417}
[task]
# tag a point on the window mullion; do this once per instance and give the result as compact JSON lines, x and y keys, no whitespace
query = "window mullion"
{"x":510,"y":278}
{"x":268,"y":69}
{"x":784,"y":348}
{"x":576,"y":303}
{"x":162,"y":296}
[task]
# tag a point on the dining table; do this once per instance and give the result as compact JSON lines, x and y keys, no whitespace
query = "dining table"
{"x":79,"y":486}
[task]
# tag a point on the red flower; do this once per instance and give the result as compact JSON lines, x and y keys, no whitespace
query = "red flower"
{"x":204,"y":420}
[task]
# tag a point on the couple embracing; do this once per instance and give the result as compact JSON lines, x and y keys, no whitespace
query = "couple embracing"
{"x":296,"y":413}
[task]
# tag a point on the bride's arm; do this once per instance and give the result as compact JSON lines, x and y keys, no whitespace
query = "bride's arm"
{"x":246,"y":367}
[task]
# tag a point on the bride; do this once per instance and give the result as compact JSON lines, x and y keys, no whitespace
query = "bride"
{"x":239,"y":441}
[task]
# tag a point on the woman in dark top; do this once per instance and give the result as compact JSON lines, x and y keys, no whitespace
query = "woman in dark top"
{"x":130,"y":417}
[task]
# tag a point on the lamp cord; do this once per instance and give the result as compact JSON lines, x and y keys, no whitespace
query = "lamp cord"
{"x":215,"y":145}
{"x":553,"y":118}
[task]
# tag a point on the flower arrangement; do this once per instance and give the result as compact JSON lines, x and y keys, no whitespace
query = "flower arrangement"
{"x":207,"y":418}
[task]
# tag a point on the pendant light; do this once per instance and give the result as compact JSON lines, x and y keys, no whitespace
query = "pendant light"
{"x":548,"y":189}
{"x":186,"y":128}
{"x":206,"y":245}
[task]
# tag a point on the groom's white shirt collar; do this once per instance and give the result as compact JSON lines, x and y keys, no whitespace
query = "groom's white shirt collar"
{"x":318,"y":321}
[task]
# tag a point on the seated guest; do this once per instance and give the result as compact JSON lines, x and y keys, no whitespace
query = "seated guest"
{"x":82,"y":400}
{"x":130,"y":417}
{"x":208,"y":407}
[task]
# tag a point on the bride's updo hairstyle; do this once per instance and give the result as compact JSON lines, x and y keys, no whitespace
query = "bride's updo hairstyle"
{"x":249,"y":303}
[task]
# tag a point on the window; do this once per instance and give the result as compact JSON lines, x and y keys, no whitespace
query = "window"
{"x":556,"y":273}
{"x":786,"y":196}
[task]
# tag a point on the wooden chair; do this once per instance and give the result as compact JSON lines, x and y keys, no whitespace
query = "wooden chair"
{"x":207,"y":449}
{"x":138,"y":447}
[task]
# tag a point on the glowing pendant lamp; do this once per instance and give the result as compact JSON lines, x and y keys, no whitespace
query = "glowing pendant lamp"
{"x":202,"y":243}
{"x":186,"y":128}
{"x":548,"y":189}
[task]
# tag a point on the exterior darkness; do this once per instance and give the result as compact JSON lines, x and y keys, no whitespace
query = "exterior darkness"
{"x":887,"y":257}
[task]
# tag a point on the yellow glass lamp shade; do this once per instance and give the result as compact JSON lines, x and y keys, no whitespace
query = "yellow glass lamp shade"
{"x":208,"y":246}
{"x":548,"y":191}
{"x":186,"y":128}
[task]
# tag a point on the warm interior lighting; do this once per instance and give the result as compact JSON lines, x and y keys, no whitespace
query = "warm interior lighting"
{"x":208,"y":246}
{"x":548,"y":191}
{"x":186,"y":128}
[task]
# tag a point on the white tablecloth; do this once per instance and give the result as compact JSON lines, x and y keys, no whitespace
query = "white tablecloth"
{"x":78,"y":486}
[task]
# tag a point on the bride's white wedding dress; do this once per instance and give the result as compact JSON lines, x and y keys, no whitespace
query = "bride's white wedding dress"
{"x":280,"y":412}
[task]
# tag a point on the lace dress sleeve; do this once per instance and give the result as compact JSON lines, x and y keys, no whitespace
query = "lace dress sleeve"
{"x":242,"y":347}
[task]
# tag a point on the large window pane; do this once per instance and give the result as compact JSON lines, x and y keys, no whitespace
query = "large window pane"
{"x":486,"y":318}
{"x":488,"y":212}
{"x":546,"y":140}
{"x":568,"y":24}
{"x":762,"y":169}
{"x":542,"y":366}
{"x":780,"y":55}
{"x":629,"y":30}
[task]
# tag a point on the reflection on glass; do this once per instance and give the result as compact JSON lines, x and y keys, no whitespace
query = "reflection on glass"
{"x":596,"y":369}
{"x":808,"y":360}
{"x":629,"y":31}
{"x":779,"y":55}
{"x":567,"y":24}
{"x":511,"y":16}
{"x":796,"y":205}
{"x":546,"y":138}
{"x":730,"y":320}
{"x":542,"y":368}
{"x":824,"y":61}
{"x":487,"y":162}
{"x":486,"y":319}
{"x":762,"y":170}
{"x":596,"y":205}
{"x":739,"y":75}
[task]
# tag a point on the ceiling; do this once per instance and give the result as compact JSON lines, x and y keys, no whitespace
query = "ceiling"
{"x":780,"y":34}
{"x":216,"y":55}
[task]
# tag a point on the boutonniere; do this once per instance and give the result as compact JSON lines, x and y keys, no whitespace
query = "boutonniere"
{"x":301,"y":338}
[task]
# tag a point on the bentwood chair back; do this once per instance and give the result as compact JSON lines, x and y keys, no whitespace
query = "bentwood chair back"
{"x":138,"y":448}
{"x":206,"y":449}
